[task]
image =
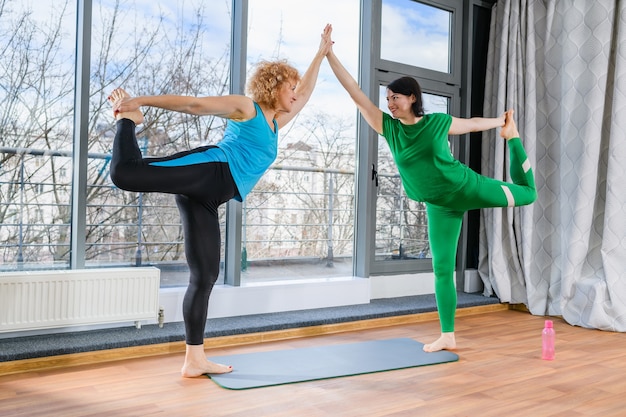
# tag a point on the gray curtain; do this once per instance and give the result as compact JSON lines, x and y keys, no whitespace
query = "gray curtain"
{"x":561,"y":64}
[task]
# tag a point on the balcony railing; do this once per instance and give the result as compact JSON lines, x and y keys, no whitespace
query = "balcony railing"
{"x":293,"y":213}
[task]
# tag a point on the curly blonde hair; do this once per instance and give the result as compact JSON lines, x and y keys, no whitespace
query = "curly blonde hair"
{"x":267,"y":80}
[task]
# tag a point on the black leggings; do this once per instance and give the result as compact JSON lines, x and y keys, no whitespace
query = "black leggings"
{"x":200,"y":189}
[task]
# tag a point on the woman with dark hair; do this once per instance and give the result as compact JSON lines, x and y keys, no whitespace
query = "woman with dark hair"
{"x":430,"y":174}
{"x":204,"y":178}
{"x":408,"y":86}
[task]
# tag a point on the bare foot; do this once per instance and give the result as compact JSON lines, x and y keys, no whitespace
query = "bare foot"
{"x":118,"y":95}
{"x":509,"y":130}
{"x":196,"y":363}
{"x":445,"y":342}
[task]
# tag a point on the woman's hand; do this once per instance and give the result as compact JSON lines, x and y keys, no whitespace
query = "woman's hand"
{"x":126,"y":104}
{"x":326,"y":43}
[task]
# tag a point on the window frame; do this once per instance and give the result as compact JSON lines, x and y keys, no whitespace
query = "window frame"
{"x":446,"y":84}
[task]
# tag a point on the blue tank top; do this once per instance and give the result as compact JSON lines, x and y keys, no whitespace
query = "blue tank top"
{"x":250,"y":147}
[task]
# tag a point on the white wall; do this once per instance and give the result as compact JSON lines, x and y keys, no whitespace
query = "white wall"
{"x":229,"y":301}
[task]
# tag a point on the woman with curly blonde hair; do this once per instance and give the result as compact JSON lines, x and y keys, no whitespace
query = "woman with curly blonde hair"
{"x":264,"y":83}
{"x":205,"y":178}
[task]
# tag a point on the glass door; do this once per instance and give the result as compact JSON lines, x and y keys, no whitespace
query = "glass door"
{"x":419,"y":39}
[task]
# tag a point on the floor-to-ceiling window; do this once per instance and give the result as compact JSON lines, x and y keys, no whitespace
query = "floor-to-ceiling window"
{"x":298,"y":222}
{"x":37,"y":53}
{"x":160,"y":47}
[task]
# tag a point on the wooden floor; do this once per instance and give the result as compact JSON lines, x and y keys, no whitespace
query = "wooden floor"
{"x":499,"y":373}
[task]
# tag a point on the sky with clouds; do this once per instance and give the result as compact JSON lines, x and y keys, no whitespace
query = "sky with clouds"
{"x":287,"y":29}
{"x":412,"y":33}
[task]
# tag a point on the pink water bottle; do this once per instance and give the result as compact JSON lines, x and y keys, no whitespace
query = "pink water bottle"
{"x":547,"y":341}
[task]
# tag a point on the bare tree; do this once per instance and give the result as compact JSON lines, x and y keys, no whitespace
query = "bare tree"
{"x":157,"y":59}
{"x":401,"y":223}
{"x":36,"y":121}
{"x":36,"y":90}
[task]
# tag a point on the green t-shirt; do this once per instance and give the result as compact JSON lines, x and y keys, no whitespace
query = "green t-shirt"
{"x":423,"y":157}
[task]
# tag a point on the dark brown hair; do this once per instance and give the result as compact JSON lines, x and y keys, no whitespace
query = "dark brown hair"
{"x":407,"y":86}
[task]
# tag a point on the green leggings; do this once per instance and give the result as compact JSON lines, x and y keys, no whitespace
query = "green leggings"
{"x":445,"y":218}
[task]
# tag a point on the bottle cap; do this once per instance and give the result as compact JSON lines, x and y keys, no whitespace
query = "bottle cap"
{"x":548,"y":324}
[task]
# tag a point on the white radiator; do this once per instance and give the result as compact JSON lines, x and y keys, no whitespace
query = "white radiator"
{"x":31,"y":300}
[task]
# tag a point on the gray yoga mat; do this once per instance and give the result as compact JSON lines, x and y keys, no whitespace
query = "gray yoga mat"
{"x":262,"y":369}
